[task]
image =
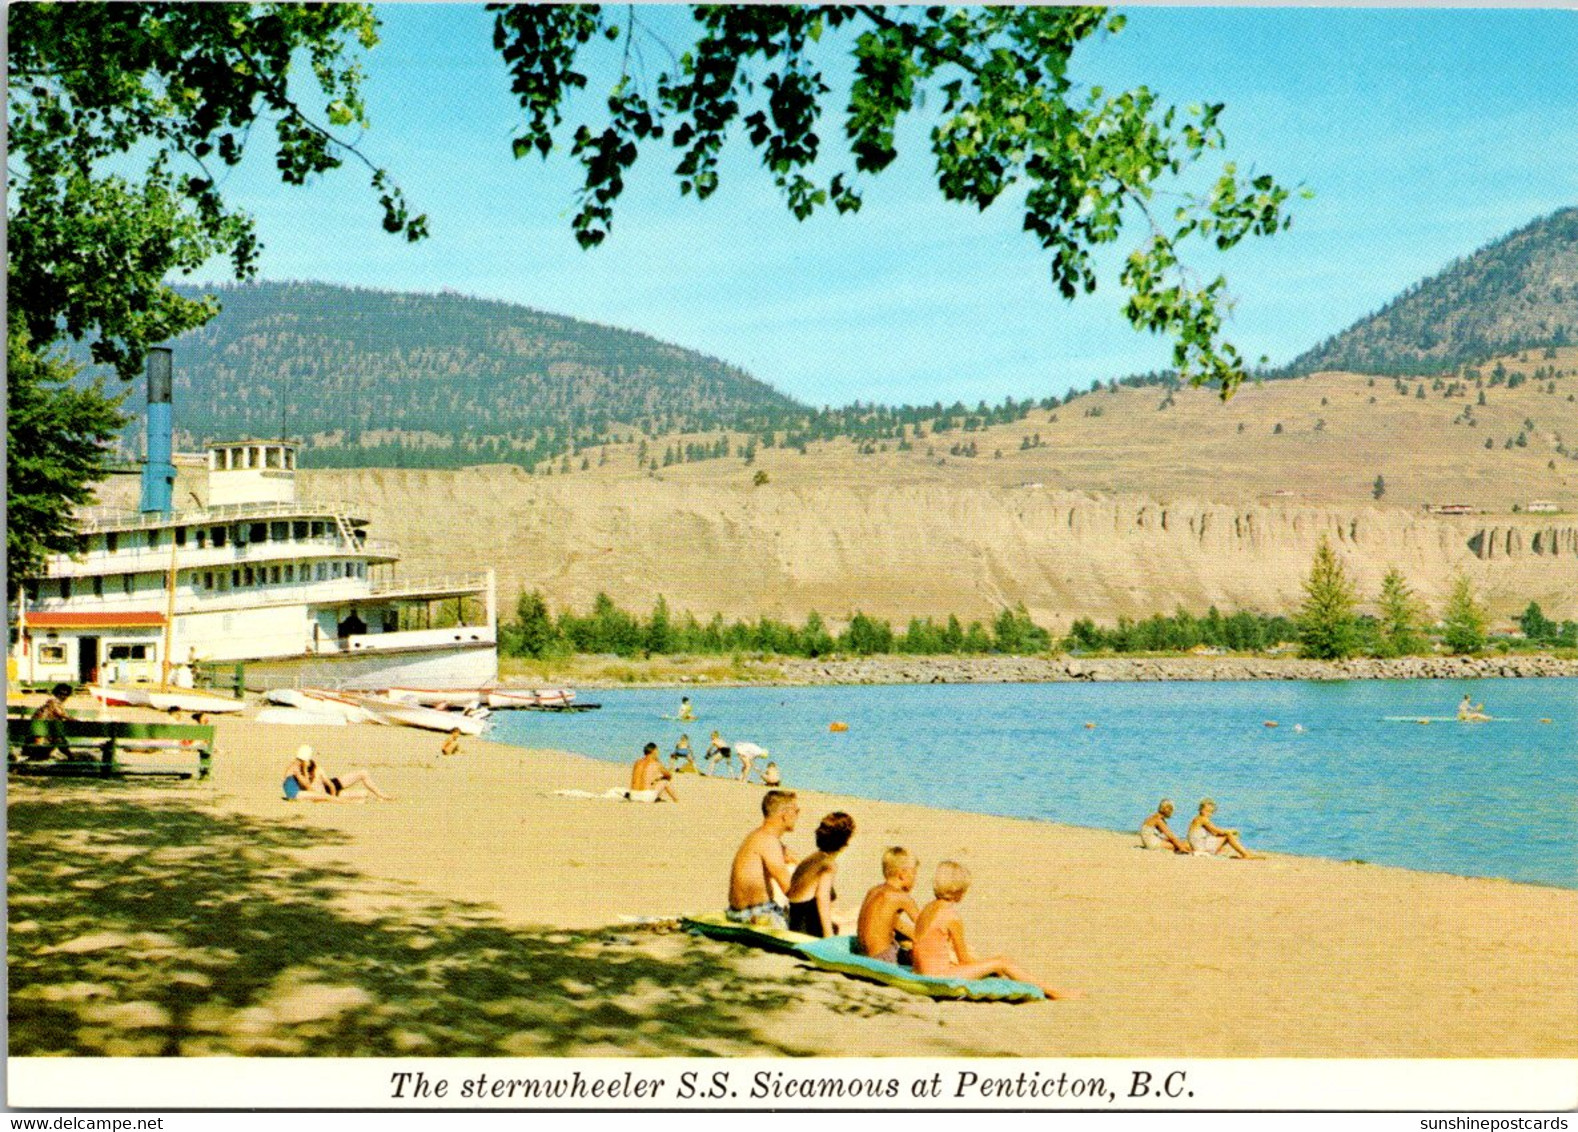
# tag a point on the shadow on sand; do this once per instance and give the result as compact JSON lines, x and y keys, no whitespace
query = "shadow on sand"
{"x":140,"y":925}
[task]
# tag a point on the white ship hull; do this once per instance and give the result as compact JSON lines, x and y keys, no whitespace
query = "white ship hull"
{"x":458,"y":666}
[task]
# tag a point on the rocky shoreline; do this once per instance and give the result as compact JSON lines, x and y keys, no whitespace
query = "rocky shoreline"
{"x":1021,"y":669}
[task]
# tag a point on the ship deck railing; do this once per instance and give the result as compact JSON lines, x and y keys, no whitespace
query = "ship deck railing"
{"x":95,"y":520}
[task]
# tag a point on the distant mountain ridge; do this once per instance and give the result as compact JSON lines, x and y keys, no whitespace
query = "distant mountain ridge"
{"x":477,"y":380}
{"x":1518,"y":293}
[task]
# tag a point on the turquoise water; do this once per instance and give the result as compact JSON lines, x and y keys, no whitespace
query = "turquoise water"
{"x":1490,"y":799}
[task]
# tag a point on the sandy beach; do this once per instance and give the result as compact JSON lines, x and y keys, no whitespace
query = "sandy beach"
{"x":480,"y":914}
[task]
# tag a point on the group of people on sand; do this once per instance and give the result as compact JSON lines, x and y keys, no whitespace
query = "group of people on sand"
{"x":720,"y":752}
{"x":1204,"y":838}
{"x":769,"y":887}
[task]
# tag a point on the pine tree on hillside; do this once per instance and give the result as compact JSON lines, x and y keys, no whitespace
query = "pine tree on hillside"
{"x":1327,"y":627}
{"x":1400,"y":613}
{"x":1464,"y":619}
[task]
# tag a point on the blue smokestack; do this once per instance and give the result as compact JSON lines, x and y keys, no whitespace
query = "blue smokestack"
{"x":158,"y":473}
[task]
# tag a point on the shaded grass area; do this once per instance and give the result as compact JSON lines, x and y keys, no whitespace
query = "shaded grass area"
{"x":141,"y":925}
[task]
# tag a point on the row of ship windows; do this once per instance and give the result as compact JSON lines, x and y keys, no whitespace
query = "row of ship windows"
{"x":297,"y":531}
{"x":251,"y":456}
{"x":238,"y":578}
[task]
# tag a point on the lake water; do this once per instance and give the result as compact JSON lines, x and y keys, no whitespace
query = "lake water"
{"x":1489,"y":799}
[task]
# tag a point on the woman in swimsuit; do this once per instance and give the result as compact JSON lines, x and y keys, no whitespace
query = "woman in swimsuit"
{"x":811,"y":892}
{"x":939,"y":945}
{"x":315,"y":786}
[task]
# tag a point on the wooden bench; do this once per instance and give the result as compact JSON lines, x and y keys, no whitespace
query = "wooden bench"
{"x":106,"y":749}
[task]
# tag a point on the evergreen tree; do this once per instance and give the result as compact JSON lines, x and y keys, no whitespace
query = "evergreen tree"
{"x":534,"y":632}
{"x":1378,"y":489}
{"x":1463,"y":619}
{"x":57,"y":439}
{"x":660,"y":630}
{"x":1535,"y":625}
{"x":1399,"y":616}
{"x":1326,"y":625}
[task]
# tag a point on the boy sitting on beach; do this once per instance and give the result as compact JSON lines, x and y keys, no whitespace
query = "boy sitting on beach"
{"x":939,"y":938}
{"x":878,"y":934}
{"x":1208,"y":840}
{"x":1156,"y":834}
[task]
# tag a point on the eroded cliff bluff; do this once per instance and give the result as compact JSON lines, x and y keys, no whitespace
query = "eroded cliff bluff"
{"x":898,"y":550}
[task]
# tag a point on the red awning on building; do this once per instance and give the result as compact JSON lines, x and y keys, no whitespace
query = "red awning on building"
{"x":62,"y":619}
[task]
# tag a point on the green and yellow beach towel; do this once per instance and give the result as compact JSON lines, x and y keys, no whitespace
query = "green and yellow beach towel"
{"x":837,"y":953}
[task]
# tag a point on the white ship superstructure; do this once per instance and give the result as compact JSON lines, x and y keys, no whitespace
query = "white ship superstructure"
{"x":295,"y":590}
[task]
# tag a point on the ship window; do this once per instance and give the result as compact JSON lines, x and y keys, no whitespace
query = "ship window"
{"x":208,"y":579}
{"x":128,"y":652}
{"x":112,"y":542}
{"x":298,"y":531}
{"x":180,"y":536}
{"x":278,"y":532}
{"x":235,"y":579}
{"x":247,"y":576}
{"x":257,"y":532}
{"x":202,"y":537}
{"x":290,"y":571}
{"x":65,"y":588}
{"x":153,"y":538}
{"x":52,"y":654}
{"x":336,"y":573}
{"x":290,"y":458}
{"x":127,"y":583}
{"x":323,"y":571}
{"x":273,"y":575}
{"x":218,"y":534}
{"x":317,"y":530}
{"x":271,"y":457}
{"x":252,"y":457}
{"x":98,"y":586}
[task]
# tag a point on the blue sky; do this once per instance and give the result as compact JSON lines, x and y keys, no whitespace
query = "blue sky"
{"x":1424,"y":135}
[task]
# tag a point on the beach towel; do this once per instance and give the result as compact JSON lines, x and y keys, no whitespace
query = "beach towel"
{"x":612,"y":794}
{"x":837,"y":953}
{"x":715,"y":925}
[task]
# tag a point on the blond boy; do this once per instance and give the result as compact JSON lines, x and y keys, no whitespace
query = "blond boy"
{"x":877,"y":932}
{"x":940,"y":949}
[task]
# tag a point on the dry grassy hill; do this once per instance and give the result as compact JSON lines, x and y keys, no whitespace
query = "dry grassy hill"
{"x":1123,"y":508}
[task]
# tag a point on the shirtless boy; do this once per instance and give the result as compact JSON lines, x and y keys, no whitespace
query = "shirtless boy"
{"x":761,"y":862}
{"x":1155,"y":833}
{"x":878,"y":931}
{"x":939,"y":938}
{"x":650,"y":781}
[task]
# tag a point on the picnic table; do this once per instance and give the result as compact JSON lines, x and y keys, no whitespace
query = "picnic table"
{"x":87,"y":748}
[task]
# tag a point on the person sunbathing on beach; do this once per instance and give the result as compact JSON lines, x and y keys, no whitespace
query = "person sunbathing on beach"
{"x":718,"y":750}
{"x":312,"y":785}
{"x":810,"y":893}
{"x":878,"y":933}
{"x":650,"y":781}
{"x":761,"y":862}
{"x":1155,"y":833}
{"x":940,"y":949}
{"x":1208,"y":840}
